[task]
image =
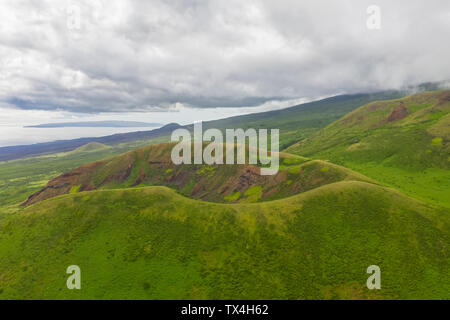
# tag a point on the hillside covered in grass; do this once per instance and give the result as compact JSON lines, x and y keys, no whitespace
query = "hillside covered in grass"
{"x":141,"y":227}
{"x":402,"y":142}
{"x":21,"y":177}
{"x":295,"y":123}
{"x":151,"y":243}
{"x":152,"y":165}
{"x":300,"y":121}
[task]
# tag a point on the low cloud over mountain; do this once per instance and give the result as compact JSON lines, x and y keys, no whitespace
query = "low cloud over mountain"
{"x":115,"y":56}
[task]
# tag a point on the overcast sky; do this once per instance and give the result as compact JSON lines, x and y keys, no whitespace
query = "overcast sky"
{"x":69,"y":58}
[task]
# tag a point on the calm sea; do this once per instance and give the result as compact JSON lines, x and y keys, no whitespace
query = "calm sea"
{"x":15,"y":135}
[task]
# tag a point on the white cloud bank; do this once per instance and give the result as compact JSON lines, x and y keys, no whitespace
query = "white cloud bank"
{"x":127,"y":56}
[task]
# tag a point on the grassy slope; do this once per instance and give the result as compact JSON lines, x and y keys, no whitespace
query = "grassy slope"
{"x":153,"y":243}
{"x":90,"y":147}
{"x":298,"y":122}
{"x":411,"y":154}
{"x":152,"y":165}
{"x":20,"y":178}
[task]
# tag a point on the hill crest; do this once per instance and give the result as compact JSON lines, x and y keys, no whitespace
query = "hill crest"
{"x":152,"y":165}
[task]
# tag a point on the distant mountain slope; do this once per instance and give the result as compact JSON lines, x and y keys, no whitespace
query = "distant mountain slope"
{"x":309,"y":232}
{"x":152,"y":165}
{"x":151,"y":243}
{"x":295,"y":123}
{"x":90,"y":147}
{"x":404,"y":142}
{"x":16,"y":152}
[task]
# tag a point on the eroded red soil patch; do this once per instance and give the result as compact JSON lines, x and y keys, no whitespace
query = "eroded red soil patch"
{"x":63,"y":183}
{"x":398,"y":113}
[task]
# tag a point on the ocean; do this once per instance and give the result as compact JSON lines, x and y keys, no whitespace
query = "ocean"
{"x":18,"y":135}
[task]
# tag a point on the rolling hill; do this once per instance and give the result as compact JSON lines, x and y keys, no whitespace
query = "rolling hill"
{"x":97,"y":124}
{"x":402,"y":142}
{"x":152,"y":243}
{"x":152,"y":165}
{"x":298,"y":122}
{"x":295,"y":122}
{"x":90,"y":147}
{"x":46,"y":148}
{"x":140,"y":227}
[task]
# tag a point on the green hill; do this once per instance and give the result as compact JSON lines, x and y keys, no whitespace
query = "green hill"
{"x":295,"y":123}
{"x":90,"y":147}
{"x":402,"y":142}
{"x":151,"y":243}
{"x":152,"y":165}
{"x":300,"y":121}
{"x":140,"y":227}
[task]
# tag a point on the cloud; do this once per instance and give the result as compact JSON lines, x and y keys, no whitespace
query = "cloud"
{"x":127,"y":56}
